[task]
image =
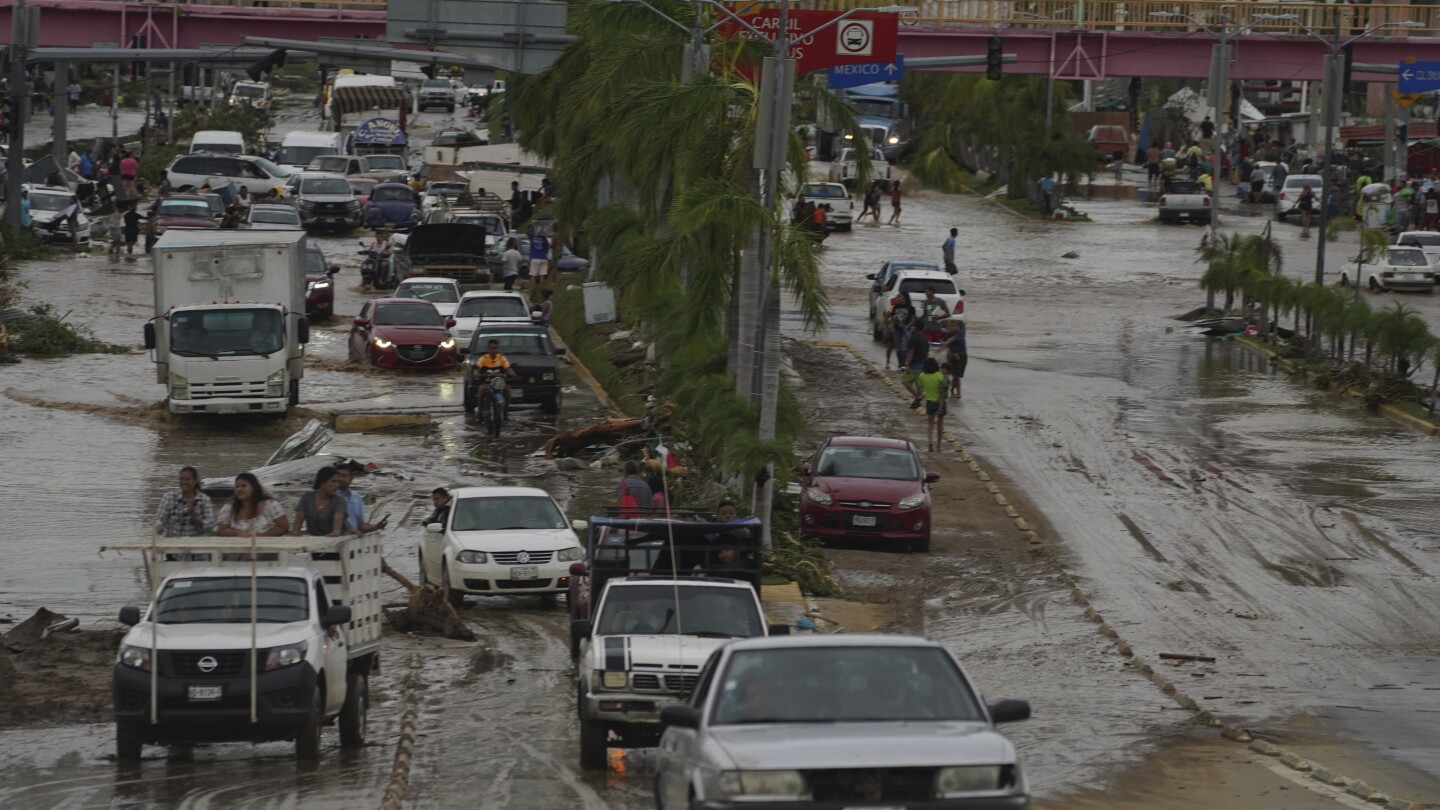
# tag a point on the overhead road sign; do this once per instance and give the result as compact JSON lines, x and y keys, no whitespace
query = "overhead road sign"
{"x":864,"y":38}
{"x":843,"y":76}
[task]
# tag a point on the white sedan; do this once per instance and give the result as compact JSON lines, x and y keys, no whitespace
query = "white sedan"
{"x":47,"y":206}
{"x":489,"y":306}
{"x":1400,"y":268}
{"x":444,"y":293}
{"x":500,"y":541}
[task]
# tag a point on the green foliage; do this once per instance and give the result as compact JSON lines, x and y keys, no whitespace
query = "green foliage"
{"x":585,"y":344}
{"x":196,"y":117}
{"x":802,"y":560}
{"x":24,"y":246}
{"x":50,"y":335}
{"x":936,"y":169}
{"x":155,"y":160}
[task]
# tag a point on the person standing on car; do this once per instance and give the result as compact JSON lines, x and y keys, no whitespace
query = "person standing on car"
{"x":510,"y":262}
{"x":185,"y":511}
{"x":947,"y":250}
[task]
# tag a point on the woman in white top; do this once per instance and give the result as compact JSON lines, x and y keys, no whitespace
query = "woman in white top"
{"x":252,"y":510}
{"x":243,"y":198}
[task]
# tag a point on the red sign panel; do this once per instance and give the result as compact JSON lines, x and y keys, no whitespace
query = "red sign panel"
{"x":859,"y":39}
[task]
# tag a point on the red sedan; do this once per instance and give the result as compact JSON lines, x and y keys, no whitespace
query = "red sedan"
{"x":362,"y":188}
{"x":867,"y":488}
{"x":402,"y":333}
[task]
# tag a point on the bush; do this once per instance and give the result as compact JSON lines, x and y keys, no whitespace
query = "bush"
{"x":586,"y":345}
{"x":802,"y":559}
{"x":47,"y":335}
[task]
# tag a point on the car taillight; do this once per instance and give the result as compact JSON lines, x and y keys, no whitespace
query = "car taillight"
{"x":960,"y":307}
{"x":1162,"y":199}
{"x":1207,"y":202}
{"x":845,"y":170}
{"x":1282,"y":196}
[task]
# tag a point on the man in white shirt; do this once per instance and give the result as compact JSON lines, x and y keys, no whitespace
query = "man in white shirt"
{"x":510,"y":260}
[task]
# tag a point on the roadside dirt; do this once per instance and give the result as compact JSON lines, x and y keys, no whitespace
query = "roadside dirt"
{"x":62,"y":678}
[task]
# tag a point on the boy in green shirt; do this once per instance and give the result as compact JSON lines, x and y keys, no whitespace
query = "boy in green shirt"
{"x":934,"y":385}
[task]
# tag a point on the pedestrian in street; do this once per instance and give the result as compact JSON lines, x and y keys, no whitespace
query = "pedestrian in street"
{"x":321,"y":512}
{"x":933,"y":310}
{"x":129,"y":170}
{"x":947,"y":250}
{"x":539,"y":257}
{"x":546,"y":307}
{"x":355,"y":504}
{"x":74,"y":91}
{"x":1152,"y":167}
{"x":934,"y":386}
{"x":185,"y":511}
{"x":1306,"y":204}
{"x":898,"y":319}
{"x":958,"y":356}
{"x":252,"y":510}
{"x":1431,"y":217}
{"x":440,"y":497}
{"x":131,"y":219}
{"x":506,"y":126}
{"x":895,"y":195}
{"x":1047,"y":194}
{"x":510,"y":261}
{"x":25,"y":221}
{"x":917,"y":350}
{"x":632,"y":493}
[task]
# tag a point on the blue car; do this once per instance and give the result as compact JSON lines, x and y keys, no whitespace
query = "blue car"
{"x":393,"y":206}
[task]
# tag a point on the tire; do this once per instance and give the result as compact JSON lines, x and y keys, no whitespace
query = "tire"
{"x":574,"y":646}
{"x":454,"y":597}
{"x":594,"y":752}
{"x":847,"y":227}
{"x":127,"y":748}
{"x":307,"y":743}
{"x":921,"y":546}
{"x":548,"y":600}
{"x":294,"y":393}
{"x":469,"y":398}
{"x":1344,"y":280}
{"x":494,"y":415}
{"x":875,"y":333}
{"x":1375,"y":285}
{"x":550,"y":404}
{"x":420,"y":562}
{"x":355,"y":713}
{"x":1280,"y":217}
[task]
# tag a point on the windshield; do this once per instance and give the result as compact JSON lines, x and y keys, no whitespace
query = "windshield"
{"x":249,"y":91}
{"x":651,"y":610}
{"x":324,"y":185}
{"x":330,"y":164}
{"x":493,"y":225}
{"x":1301,"y":181}
{"x":407,"y":315}
{"x":1408,"y":258}
{"x":824,"y":191}
{"x":433,"y":291}
{"x":302,"y":155}
{"x":386,"y":162}
{"x":843,"y":684}
{"x":1421,"y":239}
{"x":279,"y":600}
{"x":314,"y":262}
{"x":842,"y":461}
{"x":392,"y":195}
{"x":494,"y":306}
{"x":882,"y":108}
{"x":184,"y":208}
{"x":271,"y":168}
{"x":361,"y":186}
{"x":513,"y":343}
{"x":943,"y":286}
{"x":276,"y":217}
{"x":445,"y":83}
{"x":216,"y":147}
{"x":444,"y":188}
{"x":499,"y":514}
{"x":226,"y":332}
{"x":55,"y":202}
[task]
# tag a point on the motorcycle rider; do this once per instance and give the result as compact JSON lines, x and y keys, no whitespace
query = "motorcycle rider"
{"x":493,"y":360}
{"x":382,"y":249}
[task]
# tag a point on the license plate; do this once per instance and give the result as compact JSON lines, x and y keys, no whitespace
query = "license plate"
{"x":516,"y":393}
{"x":864,"y":520}
{"x":205,"y":693}
{"x":526,"y":572}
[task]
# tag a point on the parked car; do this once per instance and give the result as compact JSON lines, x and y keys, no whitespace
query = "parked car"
{"x":402,"y":333}
{"x":257,"y":174}
{"x":1111,"y":141}
{"x":181,"y":211}
{"x":444,"y":293}
{"x":842,"y":169}
{"x":1290,"y":193}
{"x":867,"y":488}
{"x":298,"y":148}
{"x":391,"y":205}
{"x":383,"y":170}
{"x":47,"y":203}
{"x":1398,"y":268}
{"x":323,"y":200}
{"x":1186,"y":200}
{"x":912,"y":278}
{"x":437,"y":93}
{"x":273,"y":217}
{"x":532,"y":356}
{"x":255,"y":95}
{"x":838,"y":721}
{"x":1428,"y":241}
{"x":319,"y":284}
{"x":491,"y":307}
{"x":458,"y":137}
{"x":499,"y":540}
{"x":842,"y":206}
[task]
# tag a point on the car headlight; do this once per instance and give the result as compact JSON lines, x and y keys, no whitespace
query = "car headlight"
{"x":318,"y":285}
{"x":760,"y":783}
{"x":289,"y":655}
{"x":967,"y":779}
{"x":306,"y":203}
{"x":137,"y":657}
{"x":179,"y":386}
{"x":448,"y":343}
{"x":275,"y":384}
{"x":548,"y":376}
{"x":894,"y":140}
{"x":471,"y":557}
{"x":849,"y":137}
{"x":571,"y":554}
{"x":614,"y":679}
{"x":912,"y":501}
{"x":816,"y":496}
{"x":382,"y":343}
{"x":352,"y":203}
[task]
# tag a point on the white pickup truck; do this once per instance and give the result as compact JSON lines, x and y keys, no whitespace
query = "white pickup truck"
{"x":644,"y":651}
{"x":233,"y":651}
{"x":1185,"y":200}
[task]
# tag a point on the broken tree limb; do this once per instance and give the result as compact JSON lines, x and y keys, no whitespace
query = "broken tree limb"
{"x":430,"y":613}
{"x":397,"y":576}
{"x":605,"y":432}
{"x":1209,"y":659}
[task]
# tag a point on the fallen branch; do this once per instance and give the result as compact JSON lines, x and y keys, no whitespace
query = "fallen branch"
{"x":1209,"y":659}
{"x":398,"y":577}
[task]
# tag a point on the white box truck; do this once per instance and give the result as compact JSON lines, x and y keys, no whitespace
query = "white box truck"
{"x":250,"y":640}
{"x":229,"y":330}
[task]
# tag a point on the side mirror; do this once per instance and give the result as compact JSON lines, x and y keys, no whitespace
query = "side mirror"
{"x":536,"y":314}
{"x":449,"y":323}
{"x":581,"y":628}
{"x":361,"y":322}
{"x":129,"y":615}
{"x":340,"y":614}
{"x":680,"y":715}
{"x":779,"y":629}
{"x":332,"y":269}
{"x":579,"y":525}
{"x":870,"y":276}
{"x":561,"y":350}
{"x":303,"y":330}
{"x":149,"y":335}
{"x":433,"y":528}
{"x":577,"y":569}
{"x":1009,"y":711}
{"x":932,"y":477}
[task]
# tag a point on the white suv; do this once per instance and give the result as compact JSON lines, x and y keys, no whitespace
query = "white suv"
{"x":500,"y":540}
{"x":1290,"y":194}
{"x":488,"y":306}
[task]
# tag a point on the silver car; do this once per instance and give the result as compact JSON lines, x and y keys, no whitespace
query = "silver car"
{"x":837,"y":722}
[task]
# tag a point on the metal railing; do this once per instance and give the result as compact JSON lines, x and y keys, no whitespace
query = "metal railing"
{"x":316,"y":5}
{"x":1129,"y":15}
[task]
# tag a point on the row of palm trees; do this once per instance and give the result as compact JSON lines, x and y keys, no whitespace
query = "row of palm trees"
{"x":1383,"y":346}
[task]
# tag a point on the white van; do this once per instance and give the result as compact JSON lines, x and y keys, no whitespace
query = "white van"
{"x":217,"y":142}
{"x":299,"y":148}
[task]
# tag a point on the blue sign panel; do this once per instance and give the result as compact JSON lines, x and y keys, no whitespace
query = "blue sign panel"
{"x":380,"y":132}
{"x":1419,"y":77}
{"x":842,"y":76}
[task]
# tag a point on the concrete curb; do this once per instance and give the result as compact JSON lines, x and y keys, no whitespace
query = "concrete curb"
{"x":589,"y":378}
{"x":404,"y":751}
{"x":379,"y":420}
{"x":1229,"y":731}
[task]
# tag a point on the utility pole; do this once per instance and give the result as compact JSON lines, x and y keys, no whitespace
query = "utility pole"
{"x":20,"y":30}
{"x":1333,"y":83}
{"x":60,"y":115}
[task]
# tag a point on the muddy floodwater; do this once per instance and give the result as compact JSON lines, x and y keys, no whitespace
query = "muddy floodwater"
{"x":1205,"y":503}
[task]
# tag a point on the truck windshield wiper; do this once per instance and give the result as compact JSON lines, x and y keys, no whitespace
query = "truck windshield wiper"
{"x":715,"y":634}
{"x":191,"y":353}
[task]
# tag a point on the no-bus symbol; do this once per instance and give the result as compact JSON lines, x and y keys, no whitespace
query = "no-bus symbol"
{"x":857,"y":38}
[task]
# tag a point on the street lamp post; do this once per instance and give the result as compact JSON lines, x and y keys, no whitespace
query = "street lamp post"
{"x":1333,"y":79}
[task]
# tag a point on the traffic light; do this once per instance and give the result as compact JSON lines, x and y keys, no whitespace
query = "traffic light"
{"x":1349,"y":65}
{"x":993,"y":59}
{"x":271,"y":61}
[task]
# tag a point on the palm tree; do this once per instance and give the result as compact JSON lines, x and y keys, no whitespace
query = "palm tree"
{"x":1225,"y":265}
{"x":1434,"y":351}
{"x":1373,"y":242}
{"x":1358,"y":318}
{"x":1404,"y":336}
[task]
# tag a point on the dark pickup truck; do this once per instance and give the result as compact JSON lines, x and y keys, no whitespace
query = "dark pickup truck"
{"x":532,"y":355}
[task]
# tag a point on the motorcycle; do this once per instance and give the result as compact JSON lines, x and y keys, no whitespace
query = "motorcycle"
{"x":491,"y":399}
{"x":377,"y":269}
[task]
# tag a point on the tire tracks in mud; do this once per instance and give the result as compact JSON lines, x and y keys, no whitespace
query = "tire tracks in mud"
{"x":1211,"y":718}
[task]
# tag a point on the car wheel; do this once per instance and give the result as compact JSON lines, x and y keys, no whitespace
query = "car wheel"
{"x":420,"y":561}
{"x":355,"y":714}
{"x":307,"y":743}
{"x":127,"y":748}
{"x":921,"y":545}
{"x":1375,"y":285}
{"x":469,"y":398}
{"x":454,"y":597}
{"x":1344,"y":280}
{"x":294,"y":393}
{"x":1280,"y":216}
{"x":550,"y":404}
{"x":593,"y":747}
